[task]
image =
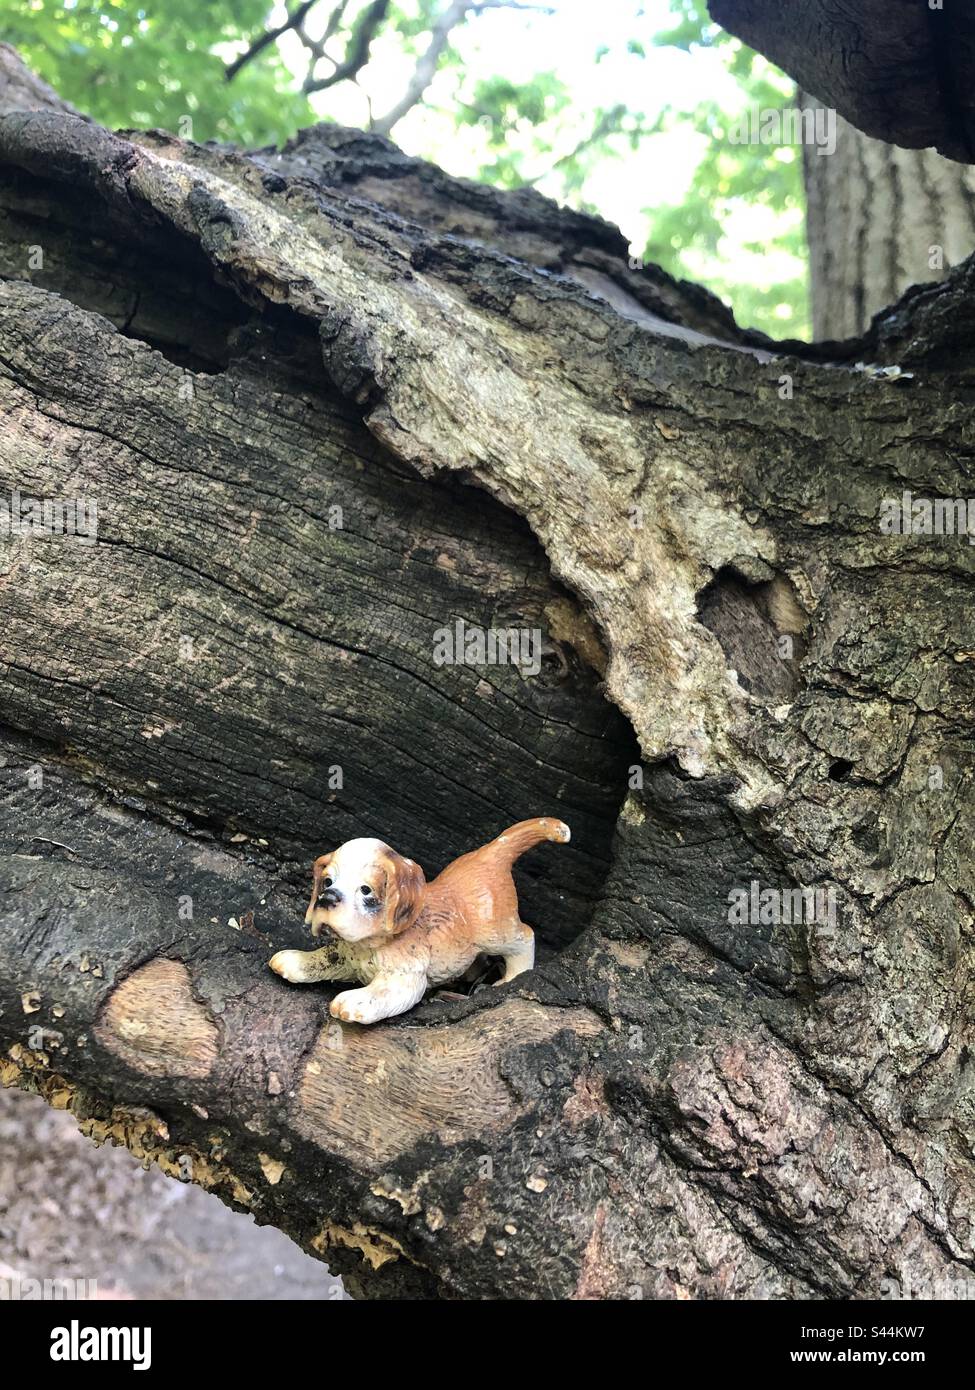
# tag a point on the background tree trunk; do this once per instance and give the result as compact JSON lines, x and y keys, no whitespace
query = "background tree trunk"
{"x":677,"y":1103}
{"x":879,"y":219}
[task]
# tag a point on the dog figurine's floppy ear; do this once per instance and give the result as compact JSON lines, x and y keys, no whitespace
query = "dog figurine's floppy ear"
{"x":319,"y":872}
{"x":403,"y":894}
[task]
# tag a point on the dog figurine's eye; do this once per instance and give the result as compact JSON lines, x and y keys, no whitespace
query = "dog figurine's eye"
{"x":326,"y":883}
{"x":366,"y":891}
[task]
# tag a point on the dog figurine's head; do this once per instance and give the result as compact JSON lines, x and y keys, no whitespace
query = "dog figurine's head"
{"x":364,"y":890}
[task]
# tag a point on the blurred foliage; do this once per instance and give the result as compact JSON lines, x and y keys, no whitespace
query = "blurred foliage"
{"x":769,"y":290}
{"x":131,"y":64}
{"x":522,"y":125}
{"x":142,"y":65}
{"x":137,"y":65}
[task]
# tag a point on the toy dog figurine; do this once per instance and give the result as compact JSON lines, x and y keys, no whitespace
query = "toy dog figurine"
{"x":399,"y":935}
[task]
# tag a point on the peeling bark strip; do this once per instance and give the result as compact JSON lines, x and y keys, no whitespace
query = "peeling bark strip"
{"x":681,"y":1103}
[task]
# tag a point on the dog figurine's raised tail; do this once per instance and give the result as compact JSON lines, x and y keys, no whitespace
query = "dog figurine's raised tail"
{"x":397,"y":934}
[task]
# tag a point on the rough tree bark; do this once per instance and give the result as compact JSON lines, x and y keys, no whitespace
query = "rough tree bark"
{"x":878,"y":220}
{"x":519,"y":430}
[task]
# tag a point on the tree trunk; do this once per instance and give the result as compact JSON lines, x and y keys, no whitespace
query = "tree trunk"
{"x":520,"y":431}
{"x":878,"y":220}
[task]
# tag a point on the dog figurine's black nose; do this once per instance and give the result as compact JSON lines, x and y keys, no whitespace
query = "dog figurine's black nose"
{"x":329,"y":897}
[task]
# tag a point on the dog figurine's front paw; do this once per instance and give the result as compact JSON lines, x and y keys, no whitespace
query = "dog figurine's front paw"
{"x":307,"y":967}
{"x":288,"y":965}
{"x":351,"y":1007}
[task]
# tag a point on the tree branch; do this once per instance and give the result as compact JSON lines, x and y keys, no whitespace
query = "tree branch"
{"x":294,"y":20}
{"x":357,"y":54}
{"x":317,"y":46}
{"x":426,"y":67}
{"x":607,"y":124}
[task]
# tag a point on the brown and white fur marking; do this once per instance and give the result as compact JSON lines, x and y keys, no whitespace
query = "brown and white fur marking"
{"x":398,"y":934}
